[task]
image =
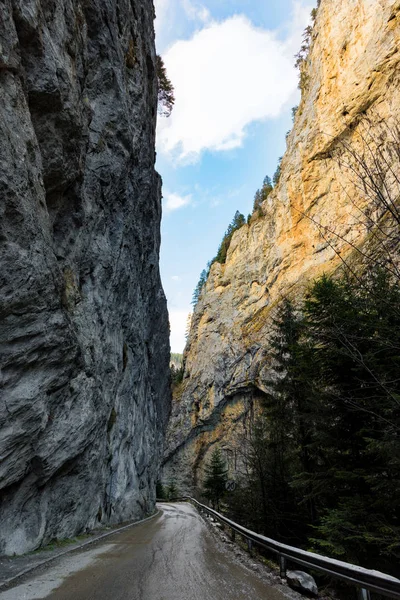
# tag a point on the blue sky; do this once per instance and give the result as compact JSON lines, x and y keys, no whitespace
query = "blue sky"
{"x":231,"y":62}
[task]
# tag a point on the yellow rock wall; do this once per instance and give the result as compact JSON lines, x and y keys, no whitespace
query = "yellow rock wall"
{"x":310,"y":221}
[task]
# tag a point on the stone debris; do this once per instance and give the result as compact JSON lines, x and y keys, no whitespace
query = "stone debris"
{"x":299,"y":580}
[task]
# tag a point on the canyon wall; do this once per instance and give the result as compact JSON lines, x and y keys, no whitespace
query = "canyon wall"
{"x":310,"y":224}
{"x":83,"y":322}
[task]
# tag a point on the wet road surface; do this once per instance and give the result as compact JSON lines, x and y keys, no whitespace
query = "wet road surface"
{"x":171,"y":557}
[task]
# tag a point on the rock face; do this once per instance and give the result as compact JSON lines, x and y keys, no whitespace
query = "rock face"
{"x":309,"y":224}
{"x":83,"y":320}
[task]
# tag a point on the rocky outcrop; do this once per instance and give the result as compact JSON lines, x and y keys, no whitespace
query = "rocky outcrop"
{"x":83,"y":321}
{"x":303,"y":582}
{"x":310,"y":224}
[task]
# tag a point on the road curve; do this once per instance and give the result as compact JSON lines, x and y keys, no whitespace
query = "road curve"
{"x":171,"y":557}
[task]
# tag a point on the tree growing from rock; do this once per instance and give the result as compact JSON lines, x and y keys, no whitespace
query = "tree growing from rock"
{"x":262,"y":195}
{"x":199,"y":287}
{"x":166,"y":96}
{"x":237,"y":222}
{"x":277,"y":174}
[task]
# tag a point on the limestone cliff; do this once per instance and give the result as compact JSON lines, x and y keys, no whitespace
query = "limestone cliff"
{"x":310,"y":221}
{"x":83,"y":324}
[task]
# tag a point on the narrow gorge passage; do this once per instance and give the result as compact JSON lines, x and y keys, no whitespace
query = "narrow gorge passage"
{"x":171,"y":557}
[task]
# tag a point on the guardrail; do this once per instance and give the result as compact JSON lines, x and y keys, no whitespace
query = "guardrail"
{"x":366,"y":580}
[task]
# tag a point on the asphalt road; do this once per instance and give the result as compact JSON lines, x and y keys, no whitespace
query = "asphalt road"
{"x":171,"y":557}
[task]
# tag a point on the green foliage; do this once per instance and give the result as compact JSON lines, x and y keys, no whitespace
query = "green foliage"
{"x":166,"y":97}
{"x":237,"y":222}
{"x":172,"y":491}
{"x":304,"y":79}
{"x":263,"y":499}
{"x":302,"y":55}
{"x":177,"y":368}
{"x":262,"y":195}
{"x":314,"y":13}
{"x":353,"y":327}
{"x":294,"y":112}
{"x":215,"y":479}
{"x":277,"y":173}
{"x":266,"y":187}
{"x":276,"y":450}
{"x":176,"y":358}
{"x":323,"y":459}
{"x":161,"y":493}
{"x":177,"y":374}
{"x":257,"y":201}
{"x":199,"y":286}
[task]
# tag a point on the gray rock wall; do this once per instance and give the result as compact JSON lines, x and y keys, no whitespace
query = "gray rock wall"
{"x":84,"y":350}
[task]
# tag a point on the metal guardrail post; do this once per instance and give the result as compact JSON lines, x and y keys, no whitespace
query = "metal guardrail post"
{"x":364,"y":594}
{"x":233,"y":535}
{"x":250,"y":546}
{"x":282,"y":566}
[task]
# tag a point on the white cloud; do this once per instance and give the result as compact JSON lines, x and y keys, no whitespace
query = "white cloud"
{"x":195,"y":11}
{"x":175,"y":18}
{"x":301,"y":16}
{"x":214,"y":203}
{"x":228,"y":75}
{"x":174,"y":201}
{"x":176,"y":278}
{"x":178,"y":321}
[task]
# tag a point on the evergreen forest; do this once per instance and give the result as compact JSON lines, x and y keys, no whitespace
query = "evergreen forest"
{"x":321,"y":461}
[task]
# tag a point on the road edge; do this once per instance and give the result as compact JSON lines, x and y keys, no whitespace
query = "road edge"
{"x":7,"y":582}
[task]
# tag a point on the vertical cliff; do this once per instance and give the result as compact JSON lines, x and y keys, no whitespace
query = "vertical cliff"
{"x":83,"y":322}
{"x":309,"y":224}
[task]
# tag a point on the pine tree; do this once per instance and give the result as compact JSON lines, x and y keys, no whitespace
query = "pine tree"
{"x":237,"y":222}
{"x":166,"y":97}
{"x":354,"y":328}
{"x":267,"y":187}
{"x":289,"y":410}
{"x":172,"y":491}
{"x":257,"y":201}
{"x":201,"y":283}
{"x":215,"y":480}
{"x":177,"y":374}
{"x":262,"y":195}
{"x":323,"y":459}
{"x":160,"y":491}
{"x":277,"y":174}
